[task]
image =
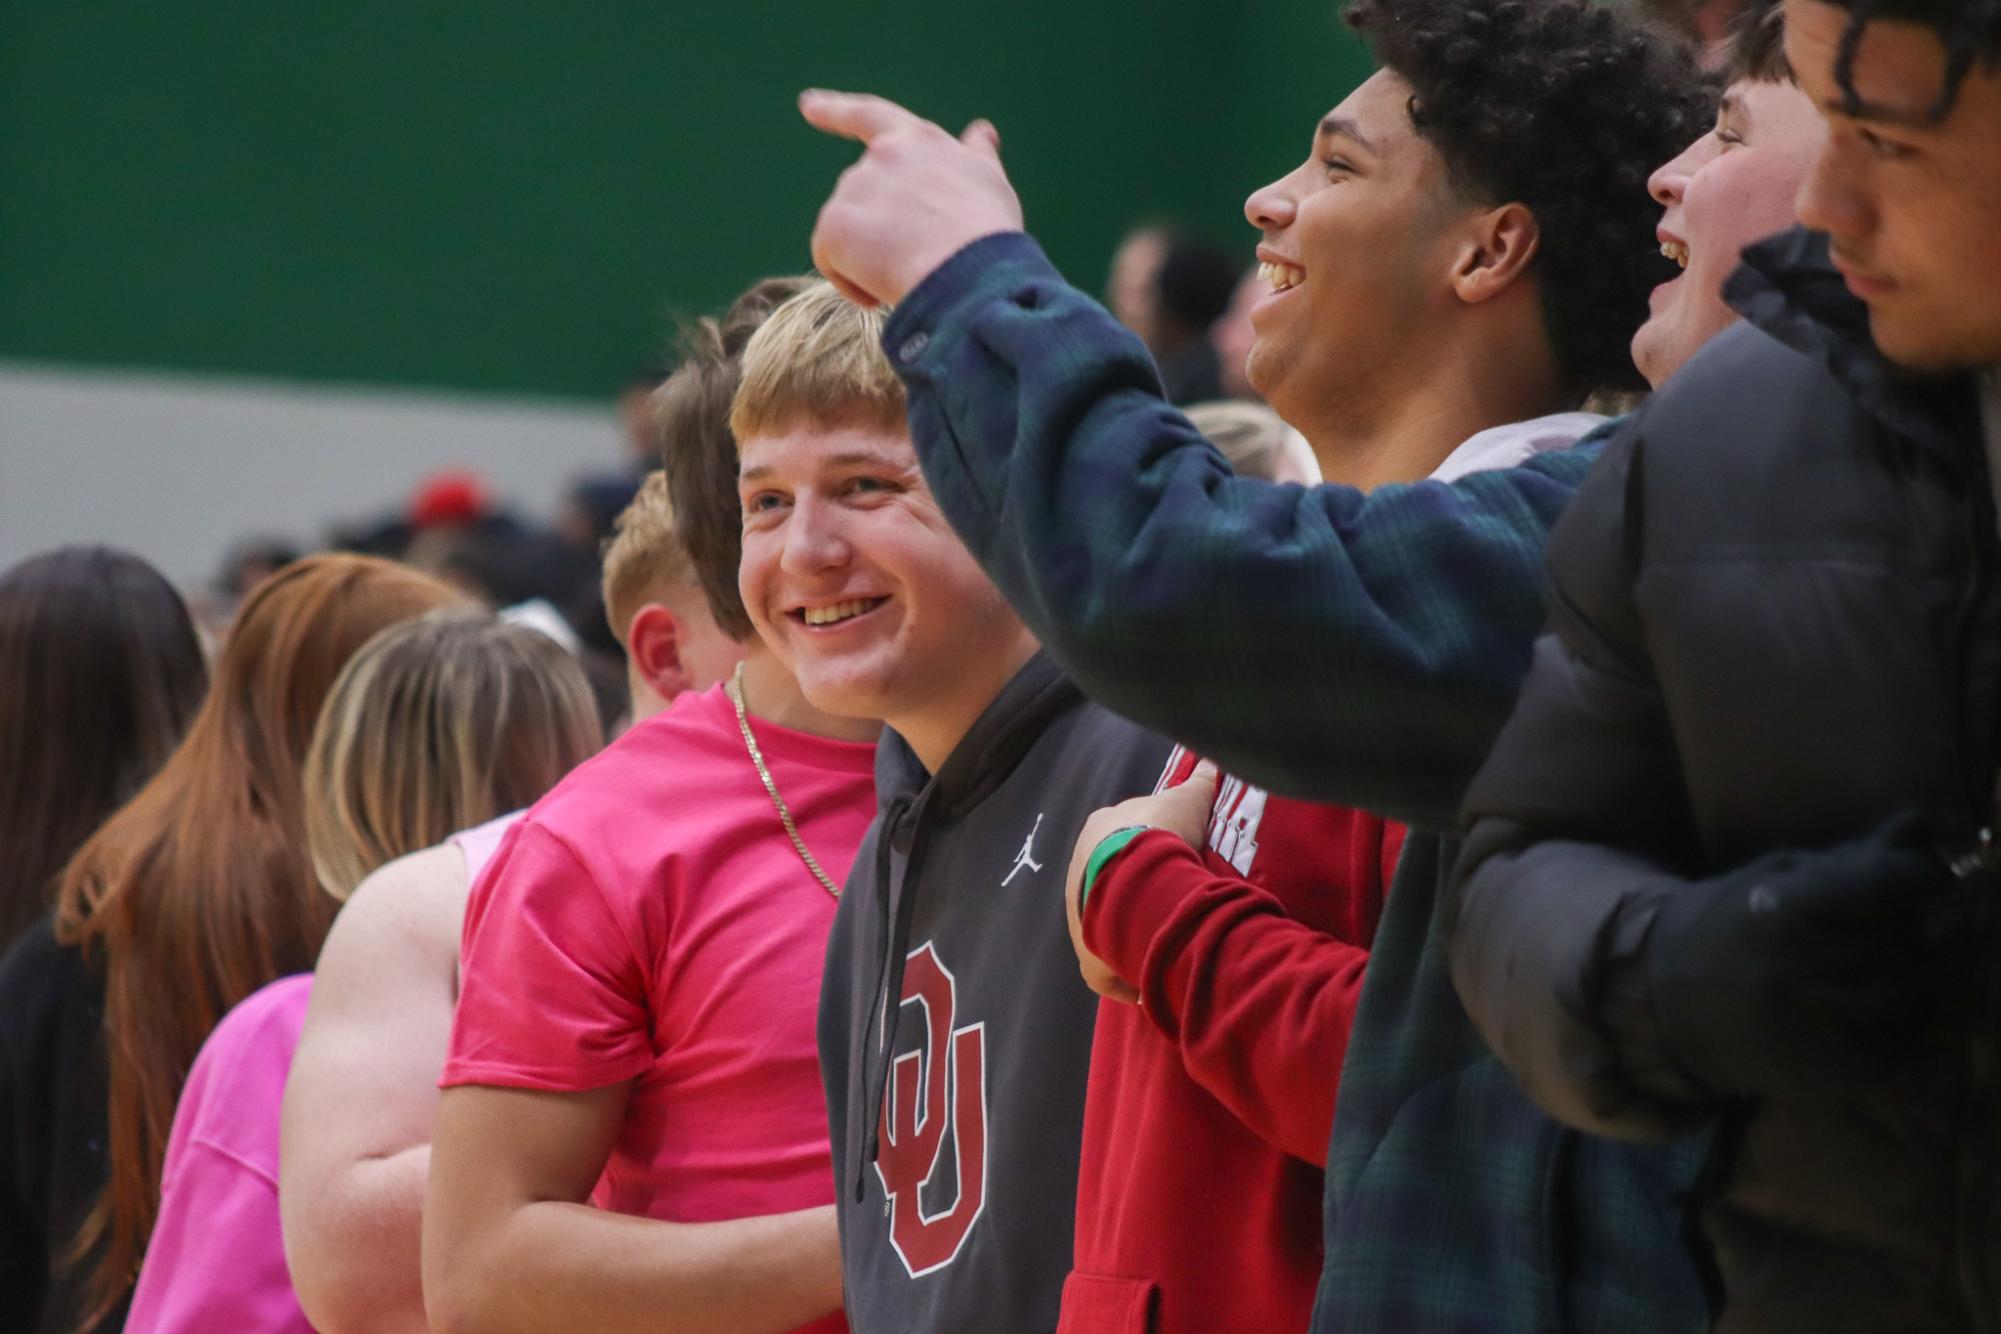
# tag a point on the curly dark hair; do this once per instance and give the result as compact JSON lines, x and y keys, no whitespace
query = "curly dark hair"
{"x":1968,"y":29}
{"x":1566,"y":107}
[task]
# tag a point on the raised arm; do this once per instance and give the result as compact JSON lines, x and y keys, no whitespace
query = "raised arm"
{"x":509,"y":1243}
{"x":363,"y":1093}
{"x":1360,"y":648}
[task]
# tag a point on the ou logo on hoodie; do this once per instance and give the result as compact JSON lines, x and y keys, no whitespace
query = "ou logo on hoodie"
{"x":941,"y":1087}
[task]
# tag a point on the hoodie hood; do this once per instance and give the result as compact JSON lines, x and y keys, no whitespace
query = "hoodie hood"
{"x":989,"y":750}
{"x":1788,"y":287}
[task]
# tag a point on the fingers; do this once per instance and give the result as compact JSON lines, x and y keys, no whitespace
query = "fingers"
{"x":1115,"y":988}
{"x":860,"y":116}
{"x":1184,"y":808}
{"x":981,"y":136}
{"x":849,"y":290}
{"x":824,"y":262}
{"x":1202,"y":782}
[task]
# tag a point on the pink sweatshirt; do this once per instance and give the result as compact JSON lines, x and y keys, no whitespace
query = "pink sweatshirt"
{"x":221,"y":1182}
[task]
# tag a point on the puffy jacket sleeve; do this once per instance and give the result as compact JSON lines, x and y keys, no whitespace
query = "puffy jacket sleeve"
{"x":1572,"y":820}
{"x":1347,"y":647}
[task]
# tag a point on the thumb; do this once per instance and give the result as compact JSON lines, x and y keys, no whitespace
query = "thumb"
{"x":982,"y":135}
{"x":1195,"y":794}
{"x":1204,"y":777}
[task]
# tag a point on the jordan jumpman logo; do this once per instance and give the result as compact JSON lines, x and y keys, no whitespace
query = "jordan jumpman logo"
{"x":1026,"y":857}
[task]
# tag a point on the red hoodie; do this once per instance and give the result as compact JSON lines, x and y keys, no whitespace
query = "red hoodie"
{"x":1206,"y":1124}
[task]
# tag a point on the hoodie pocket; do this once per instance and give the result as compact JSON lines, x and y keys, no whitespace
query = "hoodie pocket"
{"x":1105,"y":1304}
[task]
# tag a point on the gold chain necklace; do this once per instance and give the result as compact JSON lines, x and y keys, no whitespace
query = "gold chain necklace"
{"x":735,"y":692}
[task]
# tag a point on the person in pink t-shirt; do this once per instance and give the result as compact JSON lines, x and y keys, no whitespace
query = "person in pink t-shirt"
{"x":363,"y":1090}
{"x":374,"y":790}
{"x":640,"y":972}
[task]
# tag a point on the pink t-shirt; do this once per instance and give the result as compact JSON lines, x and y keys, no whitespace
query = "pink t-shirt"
{"x":217,"y":1257}
{"x":650,"y":921}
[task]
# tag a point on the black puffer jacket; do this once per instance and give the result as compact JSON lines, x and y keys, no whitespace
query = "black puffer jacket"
{"x":1776,"y":619}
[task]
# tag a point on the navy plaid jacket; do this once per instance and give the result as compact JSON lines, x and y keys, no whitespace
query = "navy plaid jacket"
{"x":1330,"y":644}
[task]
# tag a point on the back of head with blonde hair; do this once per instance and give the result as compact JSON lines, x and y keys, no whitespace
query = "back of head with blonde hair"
{"x":435,"y":726}
{"x":645,"y":555}
{"x":818,"y":359}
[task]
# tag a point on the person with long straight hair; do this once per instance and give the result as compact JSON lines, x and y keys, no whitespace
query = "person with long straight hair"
{"x":194,"y":894}
{"x":437,"y":727}
{"x":100,"y":671}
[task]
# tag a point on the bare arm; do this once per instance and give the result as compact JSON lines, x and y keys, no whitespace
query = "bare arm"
{"x":362,"y":1095}
{"x":509,"y":1244}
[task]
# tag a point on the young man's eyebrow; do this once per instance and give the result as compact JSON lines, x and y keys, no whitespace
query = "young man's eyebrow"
{"x":846,"y":459}
{"x":868,"y":458}
{"x":1346,"y":129}
{"x":1871,"y":111}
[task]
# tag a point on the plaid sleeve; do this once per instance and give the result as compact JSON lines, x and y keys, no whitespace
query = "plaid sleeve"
{"x":1351,"y":647}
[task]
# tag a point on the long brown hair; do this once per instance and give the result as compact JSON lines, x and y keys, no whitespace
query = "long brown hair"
{"x":200,"y":890}
{"x":100,"y":671}
{"x":438,"y":725}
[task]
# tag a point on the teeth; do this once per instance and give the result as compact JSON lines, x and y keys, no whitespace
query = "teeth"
{"x":839,"y":611}
{"x":1675,"y":251}
{"x":1282,"y":277}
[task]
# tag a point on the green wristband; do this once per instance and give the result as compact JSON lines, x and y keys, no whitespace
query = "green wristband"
{"x":1110,"y":846}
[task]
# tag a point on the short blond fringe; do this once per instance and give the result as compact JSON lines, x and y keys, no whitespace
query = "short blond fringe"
{"x":818,"y":359}
{"x":645,"y":557}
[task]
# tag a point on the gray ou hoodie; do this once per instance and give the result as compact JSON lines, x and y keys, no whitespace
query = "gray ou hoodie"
{"x":957,"y":1114}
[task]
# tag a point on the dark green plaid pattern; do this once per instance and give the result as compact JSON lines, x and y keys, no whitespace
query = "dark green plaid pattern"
{"x":1328,"y":644}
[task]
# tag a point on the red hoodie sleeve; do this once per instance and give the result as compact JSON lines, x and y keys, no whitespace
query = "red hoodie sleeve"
{"x":1258,"y":1004}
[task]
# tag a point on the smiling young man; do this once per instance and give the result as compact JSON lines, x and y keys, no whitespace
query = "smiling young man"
{"x":632,"y":1134}
{"x":1480,"y":253}
{"x":955,"y":1034}
{"x":1732,"y":860}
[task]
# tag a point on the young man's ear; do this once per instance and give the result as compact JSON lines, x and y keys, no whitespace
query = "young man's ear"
{"x":1497,"y":252}
{"x":653,"y":644}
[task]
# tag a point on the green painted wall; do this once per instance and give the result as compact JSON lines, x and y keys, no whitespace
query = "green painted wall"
{"x":517,"y":197}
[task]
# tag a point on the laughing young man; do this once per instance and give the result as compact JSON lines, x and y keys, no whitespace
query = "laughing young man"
{"x":1732,"y":863}
{"x":955,"y":1034}
{"x":1471,"y":245}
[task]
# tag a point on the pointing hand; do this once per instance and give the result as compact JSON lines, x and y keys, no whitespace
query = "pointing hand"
{"x":913,"y":200}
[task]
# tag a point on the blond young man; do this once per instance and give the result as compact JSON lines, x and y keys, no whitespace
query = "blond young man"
{"x":955,"y":1032}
